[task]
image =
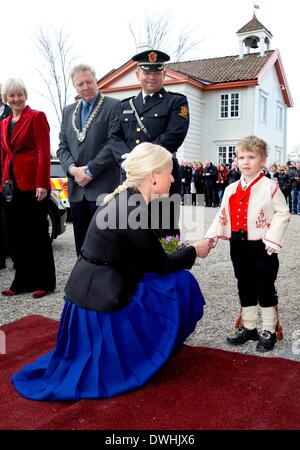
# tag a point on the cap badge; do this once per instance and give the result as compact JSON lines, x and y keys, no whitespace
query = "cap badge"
{"x":152,"y":57}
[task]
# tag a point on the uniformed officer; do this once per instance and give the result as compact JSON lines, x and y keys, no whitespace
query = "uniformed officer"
{"x":154,"y":115}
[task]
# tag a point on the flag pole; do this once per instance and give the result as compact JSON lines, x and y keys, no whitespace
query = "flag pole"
{"x":255,"y":6}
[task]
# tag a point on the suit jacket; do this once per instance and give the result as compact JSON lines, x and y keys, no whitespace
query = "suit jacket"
{"x":268,"y":214}
{"x":28,"y":150}
{"x":94,"y":152}
{"x":115,"y":256}
{"x":166,"y":117}
{"x":6,"y":112}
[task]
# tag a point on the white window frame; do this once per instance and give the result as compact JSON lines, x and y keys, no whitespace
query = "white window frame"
{"x":227,"y":110}
{"x":279,"y":116}
{"x":278,"y":154}
{"x":228,"y":151}
{"x":263,"y":107}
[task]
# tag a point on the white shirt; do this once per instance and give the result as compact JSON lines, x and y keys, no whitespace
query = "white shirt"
{"x":245,"y":184}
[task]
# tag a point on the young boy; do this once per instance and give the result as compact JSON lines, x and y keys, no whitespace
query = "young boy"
{"x":254,"y":216}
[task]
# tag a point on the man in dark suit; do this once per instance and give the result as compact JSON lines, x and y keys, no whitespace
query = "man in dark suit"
{"x":210,"y":174}
{"x":84,"y":151}
{"x":5,"y":110}
{"x":163,"y":119}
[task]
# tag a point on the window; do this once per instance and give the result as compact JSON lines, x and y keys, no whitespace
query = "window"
{"x":263,"y":107}
{"x":226,"y":154}
{"x":278,"y":154}
{"x":230,"y":105}
{"x":279,"y":117}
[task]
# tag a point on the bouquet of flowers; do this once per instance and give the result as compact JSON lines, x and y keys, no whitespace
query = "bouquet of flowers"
{"x":171,"y":244}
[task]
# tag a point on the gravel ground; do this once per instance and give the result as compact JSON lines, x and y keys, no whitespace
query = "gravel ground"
{"x":216,"y":278}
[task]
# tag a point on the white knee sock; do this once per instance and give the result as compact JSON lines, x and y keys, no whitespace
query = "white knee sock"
{"x":269,"y":319}
{"x":249,"y":317}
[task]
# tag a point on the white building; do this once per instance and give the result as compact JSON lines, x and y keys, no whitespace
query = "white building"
{"x":229,"y":97}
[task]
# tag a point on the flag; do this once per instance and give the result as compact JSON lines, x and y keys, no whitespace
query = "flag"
{"x":256,"y":6}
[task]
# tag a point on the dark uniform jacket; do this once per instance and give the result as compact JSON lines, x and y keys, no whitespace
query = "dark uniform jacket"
{"x":166,"y":117}
{"x":6,"y":112}
{"x":94,"y":152}
{"x":114,"y":259}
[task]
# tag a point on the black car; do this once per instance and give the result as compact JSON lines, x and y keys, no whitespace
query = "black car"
{"x":57,"y":217}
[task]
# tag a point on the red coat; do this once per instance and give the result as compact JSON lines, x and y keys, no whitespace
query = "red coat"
{"x":31,"y":142}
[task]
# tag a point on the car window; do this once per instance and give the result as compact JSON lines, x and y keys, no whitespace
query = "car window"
{"x":57,"y":171}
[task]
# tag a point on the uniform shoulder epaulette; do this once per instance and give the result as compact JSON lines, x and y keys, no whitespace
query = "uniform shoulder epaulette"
{"x":127,"y":99}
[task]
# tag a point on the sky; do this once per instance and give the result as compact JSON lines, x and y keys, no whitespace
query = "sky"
{"x":100,"y":36}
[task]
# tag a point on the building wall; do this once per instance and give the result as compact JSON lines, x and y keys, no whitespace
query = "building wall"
{"x":228,"y":131}
{"x":191,"y":150}
{"x":208,"y":131}
{"x":268,"y":131}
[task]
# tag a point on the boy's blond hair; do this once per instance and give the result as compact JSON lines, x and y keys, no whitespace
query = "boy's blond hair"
{"x":253,"y":144}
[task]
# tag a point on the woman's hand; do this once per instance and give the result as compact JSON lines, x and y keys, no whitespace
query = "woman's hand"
{"x":40,"y":194}
{"x":202,"y":248}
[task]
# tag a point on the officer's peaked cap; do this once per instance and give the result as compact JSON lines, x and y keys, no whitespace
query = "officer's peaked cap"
{"x":151,"y":60}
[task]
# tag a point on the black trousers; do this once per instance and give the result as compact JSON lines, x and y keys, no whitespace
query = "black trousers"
{"x":30,"y":243}
{"x":82,"y":213}
{"x":211,"y":196}
{"x":256,"y":272}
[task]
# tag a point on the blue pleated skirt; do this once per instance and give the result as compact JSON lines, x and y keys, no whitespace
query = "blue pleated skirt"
{"x":100,"y":354}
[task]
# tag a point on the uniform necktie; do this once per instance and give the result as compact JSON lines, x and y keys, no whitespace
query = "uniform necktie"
{"x":146,"y":99}
{"x":85,"y":113}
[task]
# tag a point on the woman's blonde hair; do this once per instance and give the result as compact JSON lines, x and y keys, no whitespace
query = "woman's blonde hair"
{"x":144,"y":159}
{"x":13,"y":85}
{"x":253,"y":144}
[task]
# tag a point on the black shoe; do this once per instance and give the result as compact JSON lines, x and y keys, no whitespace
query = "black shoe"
{"x":266,"y":341}
{"x":243,"y":336}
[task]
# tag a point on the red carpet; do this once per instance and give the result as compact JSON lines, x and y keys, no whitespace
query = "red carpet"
{"x":199,"y":389}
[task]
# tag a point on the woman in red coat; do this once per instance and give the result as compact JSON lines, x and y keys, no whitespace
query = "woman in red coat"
{"x":25,"y":157}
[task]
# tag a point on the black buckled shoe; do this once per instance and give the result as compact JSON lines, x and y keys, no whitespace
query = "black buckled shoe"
{"x":242,"y":336}
{"x":266,"y":341}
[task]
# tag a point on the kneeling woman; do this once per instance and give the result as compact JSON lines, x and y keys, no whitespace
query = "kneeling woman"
{"x":129,"y":305}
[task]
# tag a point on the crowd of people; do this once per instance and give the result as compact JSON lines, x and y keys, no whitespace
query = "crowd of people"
{"x":212,"y":179}
{"x":129,"y":304}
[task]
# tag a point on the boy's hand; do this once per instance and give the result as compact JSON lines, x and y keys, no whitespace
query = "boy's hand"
{"x":270,"y":250}
{"x":202,"y":248}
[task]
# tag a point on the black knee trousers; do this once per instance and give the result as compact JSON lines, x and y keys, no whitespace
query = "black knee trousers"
{"x":256,"y":272}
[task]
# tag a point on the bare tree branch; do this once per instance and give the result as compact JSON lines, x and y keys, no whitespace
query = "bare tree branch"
{"x":184,"y":45}
{"x":54,"y":48}
{"x":157,"y":34}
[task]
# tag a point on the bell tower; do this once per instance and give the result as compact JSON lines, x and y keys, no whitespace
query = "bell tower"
{"x":252,"y":36}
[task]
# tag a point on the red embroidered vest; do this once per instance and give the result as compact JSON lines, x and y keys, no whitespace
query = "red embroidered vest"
{"x":238,"y":204}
